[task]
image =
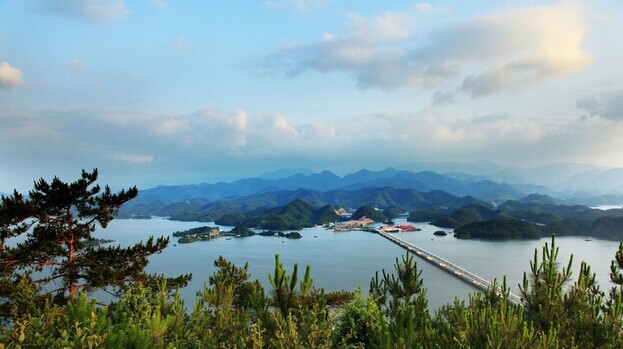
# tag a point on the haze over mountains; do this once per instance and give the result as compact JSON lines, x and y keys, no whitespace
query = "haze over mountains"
{"x":461,"y":185}
{"x":592,"y":179}
{"x":481,"y":179}
{"x":328,"y":181}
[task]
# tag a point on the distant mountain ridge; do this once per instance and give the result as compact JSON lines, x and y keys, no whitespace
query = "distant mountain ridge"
{"x":286,"y":172}
{"x":602,"y":182}
{"x":316,"y":189}
{"x":327,"y":181}
{"x":203,"y":210}
{"x":572,"y":178}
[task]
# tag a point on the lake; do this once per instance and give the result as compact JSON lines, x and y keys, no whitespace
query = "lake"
{"x":348,"y":260}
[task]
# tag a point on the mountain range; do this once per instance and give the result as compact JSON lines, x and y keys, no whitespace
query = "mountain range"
{"x":326,"y":181}
{"x":203,"y":210}
{"x":482,"y":179}
{"x":386,"y":188}
{"x":588,"y":179}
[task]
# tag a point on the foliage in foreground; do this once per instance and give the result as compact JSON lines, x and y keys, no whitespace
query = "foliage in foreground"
{"x":234,"y":312}
{"x":58,"y":254}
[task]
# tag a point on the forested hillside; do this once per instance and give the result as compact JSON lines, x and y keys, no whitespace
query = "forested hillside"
{"x":532,"y":217}
{"x":201,"y":210}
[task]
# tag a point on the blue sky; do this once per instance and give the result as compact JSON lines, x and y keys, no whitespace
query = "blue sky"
{"x":171,"y":91}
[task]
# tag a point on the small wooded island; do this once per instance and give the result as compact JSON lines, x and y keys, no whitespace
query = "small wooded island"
{"x":96,"y":242}
{"x":206,"y":233}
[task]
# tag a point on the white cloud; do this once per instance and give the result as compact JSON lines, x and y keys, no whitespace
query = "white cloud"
{"x":96,"y":11}
{"x":224,"y":133}
{"x":489,"y":53}
{"x":134,"y":158}
{"x":176,"y":145}
{"x":431,"y":135}
{"x":358,"y":52}
{"x":528,"y":45}
{"x":296,"y":5}
{"x":280,"y":123}
{"x":10,"y":77}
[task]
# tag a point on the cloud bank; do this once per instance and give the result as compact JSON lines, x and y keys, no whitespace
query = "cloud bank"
{"x":188,"y":146}
{"x":485,"y":54}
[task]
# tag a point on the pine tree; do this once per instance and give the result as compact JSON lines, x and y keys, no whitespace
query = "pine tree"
{"x":58,"y":220}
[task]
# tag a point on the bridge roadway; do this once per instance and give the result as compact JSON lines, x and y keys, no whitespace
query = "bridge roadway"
{"x":453,"y":269}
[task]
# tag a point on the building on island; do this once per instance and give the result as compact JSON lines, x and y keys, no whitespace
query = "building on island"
{"x":353,"y":224}
{"x":214,"y":232}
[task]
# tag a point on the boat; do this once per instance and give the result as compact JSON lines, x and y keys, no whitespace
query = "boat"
{"x":390,"y":229}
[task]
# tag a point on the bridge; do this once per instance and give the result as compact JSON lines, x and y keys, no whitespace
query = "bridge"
{"x":451,"y":268}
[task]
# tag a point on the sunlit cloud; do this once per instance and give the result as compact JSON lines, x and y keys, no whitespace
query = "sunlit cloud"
{"x":529,"y":45}
{"x":490,"y":53}
{"x":10,"y":77}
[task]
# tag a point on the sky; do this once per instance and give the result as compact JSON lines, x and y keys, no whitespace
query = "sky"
{"x":169,"y":91}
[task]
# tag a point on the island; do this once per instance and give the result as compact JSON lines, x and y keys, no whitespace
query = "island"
{"x":207,"y":233}
{"x":296,"y":215}
{"x":369,"y":212}
{"x":96,"y":242}
{"x":141,"y":216}
{"x":290,"y":235}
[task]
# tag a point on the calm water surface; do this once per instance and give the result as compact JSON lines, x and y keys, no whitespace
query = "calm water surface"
{"x":347,"y":260}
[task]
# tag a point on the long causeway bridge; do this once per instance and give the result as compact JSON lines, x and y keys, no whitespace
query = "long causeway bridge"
{"x":451,"y":268}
